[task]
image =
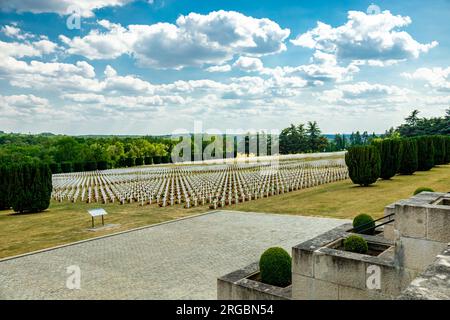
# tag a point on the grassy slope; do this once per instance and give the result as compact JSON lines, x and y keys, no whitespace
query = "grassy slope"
{"x":68,"y":222}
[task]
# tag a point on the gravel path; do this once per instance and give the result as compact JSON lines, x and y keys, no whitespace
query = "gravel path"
{"x":177,"y":260}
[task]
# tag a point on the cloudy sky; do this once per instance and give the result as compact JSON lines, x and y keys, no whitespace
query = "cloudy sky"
{"x":154,"y":66}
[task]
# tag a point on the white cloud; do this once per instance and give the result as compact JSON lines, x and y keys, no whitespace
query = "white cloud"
{"x":27,"y":49}
{"x":249,"y":64}
{"x":22,"y":105}
{"x":61,"y":7}
{"x":222,"y":68}
{"x":373,"y":38}
{"x":194,"y":40}
{"x":438,"y":78}
{"x":363,"y":93}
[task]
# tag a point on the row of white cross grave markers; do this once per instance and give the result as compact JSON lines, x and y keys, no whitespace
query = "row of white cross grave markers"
{"x":213,"y":185}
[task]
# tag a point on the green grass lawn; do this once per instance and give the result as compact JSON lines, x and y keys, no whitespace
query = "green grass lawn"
{"x":345,"y":200}
{"x":67,"y":222}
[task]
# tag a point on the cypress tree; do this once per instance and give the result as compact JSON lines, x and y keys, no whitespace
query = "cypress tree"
{"x":66,"y":167}
{"x":439,"y":149}
{"x":409,"y":158}
{"x":425,"y":153}
{"x":148,"y":160}
{"x":364,"y":164}
{"x":5,"y":177}
{"x":31,"y":187}
{"x":390,"y":152}
{"x":447,"y":149}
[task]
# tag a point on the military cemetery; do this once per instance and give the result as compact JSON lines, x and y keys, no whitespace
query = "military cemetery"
{"x":225,"y":159}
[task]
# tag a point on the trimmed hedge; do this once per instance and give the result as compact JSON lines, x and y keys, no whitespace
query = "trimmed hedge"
{"x":130,"y":162}
{"x":390,"y":153}
{"x":148,"y":160}
{"x":356,"y":244}
{"x":55,"y":167}
{"x":409,"y":157}
{"x":4,"y":187}
{"x":425,"y":153}
{"x":439,"y":145}
{"x":78,"y":166}
{"x":422,"y":189}
{"x":364,"y":164}
{"x":364,"y":224}
{"x":31,"y":187}
{"x":275,"y":267}
{"x":102,"y":165}
{"x":66,"y":167}
{"x":90,"y":166}
{"x":156,"y":159}
{"x":139,"y":161}
{"x":447,"y":149}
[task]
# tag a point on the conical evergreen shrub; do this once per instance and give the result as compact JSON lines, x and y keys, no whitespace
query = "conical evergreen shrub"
{"x":390,"y":153}
{"x":364,"y":164}
{"x":425,"y":153}
{"x":439,"y":149}
{"x":409,"y":158}
{"x":31,"y":187}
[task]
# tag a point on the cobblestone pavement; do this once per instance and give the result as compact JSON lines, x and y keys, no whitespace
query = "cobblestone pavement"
{"x":177,"y":260}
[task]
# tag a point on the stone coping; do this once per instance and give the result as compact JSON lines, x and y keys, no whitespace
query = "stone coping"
{"x":433,"y":283}
{"x":319,"y":243}
{"x":239,"y":278}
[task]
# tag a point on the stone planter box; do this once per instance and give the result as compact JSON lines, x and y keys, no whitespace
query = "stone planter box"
{"x":241,"y":285}
{"x":321,"y":270}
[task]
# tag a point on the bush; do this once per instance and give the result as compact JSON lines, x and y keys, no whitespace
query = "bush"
{"x":275,"y":267}
{"x":130,"y":162}
{"x":390,"y":153}
{"x":364,"y":164}
{"x":409,"y":157}
{"x":356,"y":244}
{"x":148,"y":160}
{"x":31,"y":186}
{"x":439,"y":145}
{"x":78,"y":167}
{"x":422,"y":189}
{"x":55,"y":167}
{"x":139,"y":161}
{"x":425,"y":153}
{"x":102,"y":165}
{"x":90,"y":166}
{"x":156,"y":159}
{"x":4,"y":187}
{"x":66,"y":167}
{"x":364,"y":224}
{"x":447,"y":150}
{"x":166,"y":159}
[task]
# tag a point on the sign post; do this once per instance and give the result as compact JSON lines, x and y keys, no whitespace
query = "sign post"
{"x":96,"y":213}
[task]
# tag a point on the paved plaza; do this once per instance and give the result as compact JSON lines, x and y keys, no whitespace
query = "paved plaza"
{"x":176,"y":260}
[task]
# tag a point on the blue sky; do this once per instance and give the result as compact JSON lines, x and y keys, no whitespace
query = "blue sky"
{"x":152,"y":67}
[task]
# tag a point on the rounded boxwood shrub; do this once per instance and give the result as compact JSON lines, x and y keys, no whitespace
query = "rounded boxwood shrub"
{"x":422,"y":189}
{"x":364,"y":164}
{"x":364,"y":224}
{"x":356,"y":244}
{"x":409,"y":157}
{"x":275,"y":267}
